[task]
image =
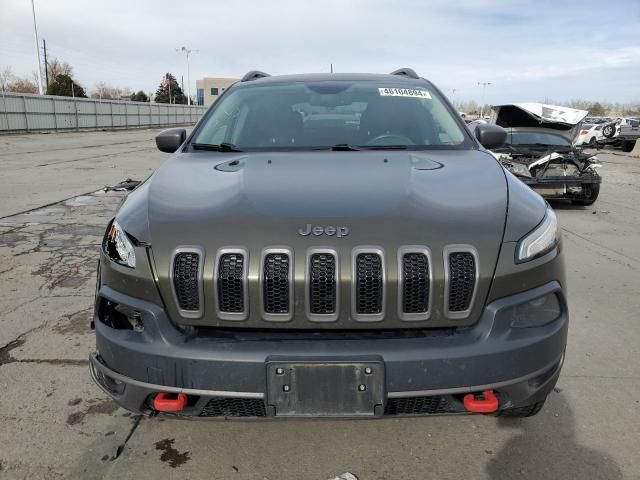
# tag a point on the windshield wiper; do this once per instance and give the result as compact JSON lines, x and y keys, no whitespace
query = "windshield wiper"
{"x":386,"y":147}
{"x":223,"y":147}
{"x":344,"y":147}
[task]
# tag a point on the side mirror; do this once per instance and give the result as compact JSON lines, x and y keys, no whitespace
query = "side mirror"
{"x":490,"y":136}
{"x":170,"y":140}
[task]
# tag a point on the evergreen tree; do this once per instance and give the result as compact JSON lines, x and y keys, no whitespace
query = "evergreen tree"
{"x":140,"y":96}
{"x":64,"y":86}
{"x":177,"y":96}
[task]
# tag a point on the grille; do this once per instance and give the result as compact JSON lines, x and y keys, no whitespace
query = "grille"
{"x":186,"y":267}
{"x":416,"y":405}
{"x":415,"y":290}
{"x":276,"y":283}
{"x":462,"y":281}
{"x":231,"y":283}
{"x":322,"y":283}
{"x":234,"y":407}
{"x":369,"y":283}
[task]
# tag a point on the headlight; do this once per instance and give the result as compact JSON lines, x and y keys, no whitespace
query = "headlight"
{"x":118,"y":246}
{"x":540,"y":240}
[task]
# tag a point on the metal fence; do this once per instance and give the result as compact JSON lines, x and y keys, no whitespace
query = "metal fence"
{"x":33,"y":113}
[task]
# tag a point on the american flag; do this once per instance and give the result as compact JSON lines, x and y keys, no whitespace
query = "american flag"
{"x":165,"y":81}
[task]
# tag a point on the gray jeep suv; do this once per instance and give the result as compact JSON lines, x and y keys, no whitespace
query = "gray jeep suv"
{"x":330,"y":245}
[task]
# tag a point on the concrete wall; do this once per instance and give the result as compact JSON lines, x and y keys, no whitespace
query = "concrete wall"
{"x":26,"y":113}
{"x":205,"y":88}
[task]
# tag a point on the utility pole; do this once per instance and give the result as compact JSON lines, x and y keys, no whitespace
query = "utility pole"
{"x":484,"y":86}
{"x":37,"y":43}
{"x":187,"y":52}
{"x":332,"y":68}
{"x":46,"y":65}
{"x":453,"y":93}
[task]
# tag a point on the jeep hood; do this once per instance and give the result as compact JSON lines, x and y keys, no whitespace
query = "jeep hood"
{"x":562,"y":121}
{"x":386,"y":199}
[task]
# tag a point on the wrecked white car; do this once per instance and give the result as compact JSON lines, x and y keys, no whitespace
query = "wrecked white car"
{"x":540,"y":150}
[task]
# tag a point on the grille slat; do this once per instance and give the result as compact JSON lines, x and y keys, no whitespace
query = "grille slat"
{"x":231,"y":283}
{"x":186,"y":281}
{"x":234,"y":407}
{"x":322,"y":284}
{"x":417,"y":405}
{"x":416,"y":283}
{"x":275,"y":286}
{"x":369,"y":283}
{"x":462,"y":281}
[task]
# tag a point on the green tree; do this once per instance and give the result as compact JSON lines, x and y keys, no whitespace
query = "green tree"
{"x":139,"y":96}
{"x":177,"y":96}
{"x":597,"y":110}
{"x":64,"y":86}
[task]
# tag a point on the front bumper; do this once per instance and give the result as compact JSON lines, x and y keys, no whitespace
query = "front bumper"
{"x":224,"y":373}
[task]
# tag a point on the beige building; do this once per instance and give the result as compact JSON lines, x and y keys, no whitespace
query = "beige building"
{"x":209,"y":89}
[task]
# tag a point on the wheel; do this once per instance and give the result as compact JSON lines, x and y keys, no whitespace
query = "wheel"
{"x":592,"y":141}
{"x":609,"y":131}
{"x":521,"y":412}
{"x":628,"y":145}
{"x":592,"y":196}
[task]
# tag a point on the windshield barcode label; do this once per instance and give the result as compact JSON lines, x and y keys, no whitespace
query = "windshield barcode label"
{"x":403,"y":92}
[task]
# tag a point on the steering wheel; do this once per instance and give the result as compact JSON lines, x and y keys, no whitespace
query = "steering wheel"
{"x":390,"y":139}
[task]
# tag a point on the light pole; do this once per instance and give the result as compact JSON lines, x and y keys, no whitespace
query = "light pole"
{"x":453,"y":94}
{"x":187,"y":53}
{"x":35,"y":33}
{"x":484,"y":86}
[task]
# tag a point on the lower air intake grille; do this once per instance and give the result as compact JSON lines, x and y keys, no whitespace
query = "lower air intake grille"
{"x":322,"y":283}
{"x":415,"y":291}
{"x":186,"y":269}
{"x":462,"y":281}
{"x":234,"y":407}
{"x":369,"y":283}
{"x":276,"y":283}
{"x":231,"y":283}
{"x":416,"y":405}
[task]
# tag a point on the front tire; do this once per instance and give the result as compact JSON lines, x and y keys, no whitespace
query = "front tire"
{"x":592,"y":196}
{"x":592,"y":141}
{"x":628,"y":145}
{"x":522,"y":412}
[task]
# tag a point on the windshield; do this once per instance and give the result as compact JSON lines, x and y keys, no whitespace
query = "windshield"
{"x":317,"y":115}
{"x":536,"y":138}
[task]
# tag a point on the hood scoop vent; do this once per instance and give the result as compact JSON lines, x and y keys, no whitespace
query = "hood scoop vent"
{"x":232,"y":165}
{"x":424,"y":163}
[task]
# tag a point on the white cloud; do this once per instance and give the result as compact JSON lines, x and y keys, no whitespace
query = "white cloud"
{"x":530,"y":51}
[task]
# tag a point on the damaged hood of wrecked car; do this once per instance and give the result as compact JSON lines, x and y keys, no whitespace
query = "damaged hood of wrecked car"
{"x":530,"y":117}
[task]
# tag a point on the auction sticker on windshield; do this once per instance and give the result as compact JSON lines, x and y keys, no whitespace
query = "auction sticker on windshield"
{"x":403,"y":92}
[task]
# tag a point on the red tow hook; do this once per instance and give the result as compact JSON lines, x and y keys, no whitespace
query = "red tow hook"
{"x":170,"y":402}
{"x":487,"y":404}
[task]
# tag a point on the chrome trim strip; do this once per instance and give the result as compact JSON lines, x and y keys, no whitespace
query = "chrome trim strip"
{"x":448,"y":250}
{"x":188,"y":249}
{"x":235,"y":316}
{"x":96,"y":364}
{"x":277,"y":317}
{"x":402,"y":251}
{"x":367,"y":317}
{"x":321,"y":317}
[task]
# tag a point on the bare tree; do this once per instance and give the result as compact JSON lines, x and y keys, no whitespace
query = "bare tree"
{"x":57,"y":67}
{"x":6,"y":74}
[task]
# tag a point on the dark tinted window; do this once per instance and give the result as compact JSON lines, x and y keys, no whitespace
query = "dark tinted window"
{"x":324,"y":114}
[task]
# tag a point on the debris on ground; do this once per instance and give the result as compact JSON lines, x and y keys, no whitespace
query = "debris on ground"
{"x":124,"y":186}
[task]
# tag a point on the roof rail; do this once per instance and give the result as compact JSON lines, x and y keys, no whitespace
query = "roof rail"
{"x":407,"y":72}
{"x":254,"y":75}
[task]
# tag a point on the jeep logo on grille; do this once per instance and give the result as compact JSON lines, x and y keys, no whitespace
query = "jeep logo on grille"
{"x":318,"y":230}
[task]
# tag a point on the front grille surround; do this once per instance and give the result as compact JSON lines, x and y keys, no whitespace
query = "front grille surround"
{"x":277,"y":317}
{"x":447,"y":252}
{"x":191,"y":313}
{"x":322,"y":317}
{"x":355,"y":314}
{"x":222,"y":253}
{"x":406,"y":250}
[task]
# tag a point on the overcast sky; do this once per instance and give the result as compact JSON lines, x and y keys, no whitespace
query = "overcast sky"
{"x":555,"y":50}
